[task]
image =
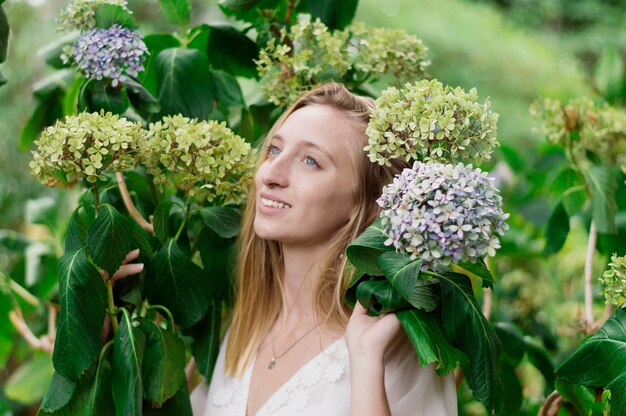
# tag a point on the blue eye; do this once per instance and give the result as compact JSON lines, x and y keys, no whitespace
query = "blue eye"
{"x":310,"y":161}
{"x":273,"y":150}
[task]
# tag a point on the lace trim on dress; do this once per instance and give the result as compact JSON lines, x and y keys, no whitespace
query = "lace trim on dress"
{"x":329,"y":366}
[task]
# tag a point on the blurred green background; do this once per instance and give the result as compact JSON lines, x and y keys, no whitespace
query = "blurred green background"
{"x":513,"y":51}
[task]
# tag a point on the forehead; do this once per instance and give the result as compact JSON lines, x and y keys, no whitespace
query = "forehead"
{"x":323,"y":126}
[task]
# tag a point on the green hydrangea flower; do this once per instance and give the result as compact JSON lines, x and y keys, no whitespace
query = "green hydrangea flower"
{"x":84,"y":146}
{"x":310,"y":55}
{"x":614,"y":281}
{"x":80,"y":14}
{"x":203,"y":158}
{"x":376,"y":51}
{"x":428,"y":121}
{"x":582,"y":125}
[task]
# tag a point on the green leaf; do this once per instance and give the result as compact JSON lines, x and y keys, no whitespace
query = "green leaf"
{"x":14,"y":241}
{"x":184,"y":83}
{"x":3,"y":79}
{"x":479,"y":268}
{"x":46,"y":112}
{"x":425,"y":333}
{"x":538,"y":356}
{"x":99,"y":398}
{"x":609,"y":244}
{"x":218,"y":260}
{"x":83,"y":299}
{"x":404,"y":275}
{"x":4,"y":35}
{"x":176,"y":11}
{"x":512,"y":390}
{"x":109,"y":238}
{"x":163,"y":369}
{"x":227,"y":89}
{"x":467,"y":329}
{"x":56,"y":83}
{"x":155,"y":44}
{"x":162,"y":220}
{"x":77,"y":229}
{"x":60,"y":392}
{"x":582,"y":398}
{"x":179,"y":405}
{"x":232,"y":51}
{"x":180,"y":285}
{"x":336,"y":14}
{"x":600,"y":362}
{"x":557,"y":230}
{"x":254,"y":122}
{"x":141,"y":99}
{"x":602,"y":181}
{"x":99,"y":95}
{"x":27,"y":384}
{"x":109,"y":14}
{"x":378,"y":297}
{"x":206,"y":339}
{"x":128,"y":351}
{"x":44,"y":211}
{"x":362,"y":252}
{"x":512,"y":342}
{"x":239,"y":5}
{"x":52,"y":52}
{"x":70,"y":101}
{"x":609,"y":74}
{"x":223,"y":220}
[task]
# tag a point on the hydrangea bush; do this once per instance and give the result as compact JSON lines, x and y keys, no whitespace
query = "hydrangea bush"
{"x":443,"y":214}
{"x":84,"y":146}
{"x":204,"y":159}
{"x":614,"y":281}
{"x":428,"y":121}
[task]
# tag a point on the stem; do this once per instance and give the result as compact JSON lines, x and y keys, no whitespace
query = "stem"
{"x":111,"y":305}
{"x":609,"y":308}
{"x":182,"y":225}
{"x":167,"y":312}
{"x":591,"y":247}
{"x":130,"y":206}
{"x":96,"y":197}
{"x":487,"y":297}
{"x":20,"y":291}
{"x":551,"y":405}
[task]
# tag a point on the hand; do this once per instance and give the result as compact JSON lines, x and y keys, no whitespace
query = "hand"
{"x":371,"y":336}
{"x":126,"y":269}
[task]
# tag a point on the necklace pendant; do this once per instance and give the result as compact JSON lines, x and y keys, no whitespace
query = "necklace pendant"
{"x":272,"y":363}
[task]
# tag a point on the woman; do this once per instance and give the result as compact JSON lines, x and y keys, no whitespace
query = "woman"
{"x":293,"y":347}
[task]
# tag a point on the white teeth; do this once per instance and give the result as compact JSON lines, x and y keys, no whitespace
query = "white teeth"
{"x":275,"y":204}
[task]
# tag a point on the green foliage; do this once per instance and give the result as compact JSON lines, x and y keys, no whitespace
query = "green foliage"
{"x":176,"y":11}
{"x":128,"y":354}
{"x":614,"y":281}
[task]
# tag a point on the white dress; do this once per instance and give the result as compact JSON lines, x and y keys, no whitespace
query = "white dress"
{"x":322,"y":387}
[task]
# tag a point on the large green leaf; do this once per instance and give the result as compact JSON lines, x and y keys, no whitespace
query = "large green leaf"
{"x":378,"y":297}
{"x":602,"y":181}
{"x":109,"y":14}
{"x":600,"y":362}
{"x":27,"y":384}
{"x":538,"y":356}
{"x":185,"y":84}
{"x":56,"y":83}
{"x":99,"y":398}
{"x":480,"y":269}
{"x":83,"y":298}
{"x":60,"y":391}
{"x":336,"y":14}
{"x":512,"y":396}
{"x":206,"y":339}
{"x":467,"y":329}
{"x":362,"y":252}
{"x":176,"y":11}
{"x":512,"y":342}
{"x":155,"y":43}
{"x":128,"y":351}
{"x":582,"y":398}
{"x":141,"y":99}
{"x":609,"y":74}
{"x":404,"y":275}
{"x":218,"y":260}
{"x":161,"y":220}
{"x":227,"y":90}
{"x":424,"y":332}
{"x":231,"y":50}
{"x":223,"y":220}
{"x":163,"y":369}
{"x":557,"y":230}
{"x":98,"y":95}
{"x":180,"y":285}
{"x":109,"y":238}
{"x":179,"y":405}
{"x":239,"y":5}
{"x":77,"y":228}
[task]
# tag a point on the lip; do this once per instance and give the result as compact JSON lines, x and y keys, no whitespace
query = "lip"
{"x":273,"y":198}
{"x":264,"y":209}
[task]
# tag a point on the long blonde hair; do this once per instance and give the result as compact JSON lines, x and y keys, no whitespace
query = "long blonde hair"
{"x":259,"y":291}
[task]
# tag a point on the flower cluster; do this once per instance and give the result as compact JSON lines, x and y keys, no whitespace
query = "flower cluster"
{"x":85,"y":145}
{"x":310,"y":55}
{"x":378,"y":50}
{"x":113,"y":53}
{"x":581,"y":125}
{"x":614,"y":281}
{"x":428,"y":121}
{"x":80,"y":14}
{"x":204,"y":159}
{"x":443,"y":213}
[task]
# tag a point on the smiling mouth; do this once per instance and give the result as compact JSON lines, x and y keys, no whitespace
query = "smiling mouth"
{"x":275,"y":204}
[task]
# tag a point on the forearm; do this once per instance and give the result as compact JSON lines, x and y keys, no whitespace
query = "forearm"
{"x":368,"y":395}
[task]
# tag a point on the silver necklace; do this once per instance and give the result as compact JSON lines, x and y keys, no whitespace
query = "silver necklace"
{"x":275,"y":357}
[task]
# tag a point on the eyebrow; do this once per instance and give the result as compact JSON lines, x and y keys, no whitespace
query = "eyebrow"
{"x":308,"y":143}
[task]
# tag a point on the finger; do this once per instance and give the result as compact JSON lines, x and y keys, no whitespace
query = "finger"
{"x":132,"y":255}
{"x":127,"y":270}
{"x":359,"y":309}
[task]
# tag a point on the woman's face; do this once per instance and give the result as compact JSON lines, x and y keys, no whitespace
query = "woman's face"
{"x":305,"y":190}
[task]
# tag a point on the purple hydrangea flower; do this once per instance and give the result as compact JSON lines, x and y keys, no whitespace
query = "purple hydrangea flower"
{"x":113,"y":53}
{"x":443,"y":213}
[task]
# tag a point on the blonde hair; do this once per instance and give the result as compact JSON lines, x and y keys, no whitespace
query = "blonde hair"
{"x":259,"y":292}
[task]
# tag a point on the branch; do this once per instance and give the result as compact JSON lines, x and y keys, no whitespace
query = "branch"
{"x":190,"y":369}
{"x":487,"y":297}
{"x":130,"y":206}
{"x":551,"y":405}
{"x":589,"y":324}
{"x":42,"y":344}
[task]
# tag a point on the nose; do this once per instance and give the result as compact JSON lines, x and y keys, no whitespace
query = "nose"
{"x":275,"y":172}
